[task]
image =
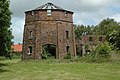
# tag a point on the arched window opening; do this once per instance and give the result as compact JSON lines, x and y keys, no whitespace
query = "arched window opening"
{"x":67,"y":34}
{"x":31,"y":34}
{"x":30,"y":49}
{"x":67,"y":49}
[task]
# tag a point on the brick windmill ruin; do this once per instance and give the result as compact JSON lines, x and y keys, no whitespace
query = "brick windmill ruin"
{"x":48,"y":25}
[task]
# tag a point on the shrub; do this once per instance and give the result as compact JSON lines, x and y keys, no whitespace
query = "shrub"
{"x":45,"y":54}
{"x":68,"y":55}
{"x":102,"y":52}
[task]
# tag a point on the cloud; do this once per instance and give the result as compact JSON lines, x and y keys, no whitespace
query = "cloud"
{"x":87,"y":12}
{"x":18,"y":7}
{"x":116,"y":17}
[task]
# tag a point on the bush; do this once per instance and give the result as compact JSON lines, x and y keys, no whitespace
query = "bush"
{"x":46,"y":55}
{"x":16,"y":56}
{"x":68,"y":55}
{"x":102,"y":52}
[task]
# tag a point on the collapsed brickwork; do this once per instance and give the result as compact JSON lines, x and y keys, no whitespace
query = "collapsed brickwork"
{"x":48,"y":24}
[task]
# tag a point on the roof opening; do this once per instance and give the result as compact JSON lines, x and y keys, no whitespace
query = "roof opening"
{"x":49,"y":6}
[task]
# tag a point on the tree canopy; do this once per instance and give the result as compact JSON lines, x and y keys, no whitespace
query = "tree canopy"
{"x":105,"y":27}
{"x":114,"y":38}
{"x":5,"y":30}
{"x":81,"y":30}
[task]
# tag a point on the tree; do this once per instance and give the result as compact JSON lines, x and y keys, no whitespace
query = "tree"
{"x":81,"y":30}
{"x":114,"y":38}
{"x":89,"y":30}
{"x":5,"y":30}
{"x":111,"y":29}
{"x":106,"y":27}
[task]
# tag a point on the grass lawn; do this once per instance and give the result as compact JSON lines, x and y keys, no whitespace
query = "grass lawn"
{"x":56,"y":70}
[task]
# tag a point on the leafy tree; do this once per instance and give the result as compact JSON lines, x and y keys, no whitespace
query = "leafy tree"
{"x":89,"y":30}
{"x":5,"y":30}
{"x":106,"y":27}
{"x":81,"y":30}
{"x":111,"y":29}
{"x":114,"y":38}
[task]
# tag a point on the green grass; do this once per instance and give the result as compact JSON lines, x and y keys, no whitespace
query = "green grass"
{"x":58,"y":70}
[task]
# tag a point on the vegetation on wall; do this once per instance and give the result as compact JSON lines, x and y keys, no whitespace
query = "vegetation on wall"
{"x":108,"y":27}
{"x":68,"y":55}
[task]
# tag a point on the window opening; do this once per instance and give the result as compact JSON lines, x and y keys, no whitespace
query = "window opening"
{"x":90,"y":39}
{"x":31,"y":34}
{"x":49,"y":12}
{"x":32,"y":13}
{"x":100,"y":38}
{"x":29,"y":50}
{"x":65,"y":13}
{"x":67,"y":34}
{"x":67,"y":48}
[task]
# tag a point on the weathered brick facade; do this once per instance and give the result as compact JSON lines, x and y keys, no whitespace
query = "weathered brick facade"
{"x":89,"y":43}
{"x":48,"y":27}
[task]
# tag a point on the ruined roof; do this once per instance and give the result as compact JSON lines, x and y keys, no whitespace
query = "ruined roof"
{"x":49,"y":6}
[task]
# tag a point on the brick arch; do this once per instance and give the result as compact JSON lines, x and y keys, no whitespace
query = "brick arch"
{"x":45,"y":42}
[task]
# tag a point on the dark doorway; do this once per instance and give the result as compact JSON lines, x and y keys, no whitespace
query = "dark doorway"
{"x":49,"y":51}
{"x":100,"y":38}
{"x":67,"y":48}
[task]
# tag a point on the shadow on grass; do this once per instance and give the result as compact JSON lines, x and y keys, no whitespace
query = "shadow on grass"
{"x":3,"y":64}
{"x":1,"y":69}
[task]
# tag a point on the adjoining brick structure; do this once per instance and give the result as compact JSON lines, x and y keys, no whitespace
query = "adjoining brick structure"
{"x":48,"y":24}
{"x":89,"y":43}
{"x":93,"y":39}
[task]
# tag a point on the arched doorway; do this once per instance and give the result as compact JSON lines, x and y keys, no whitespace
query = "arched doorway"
{"x":48,"y":51}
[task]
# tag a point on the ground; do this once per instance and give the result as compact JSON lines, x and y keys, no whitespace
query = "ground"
{"x":58,"y":70}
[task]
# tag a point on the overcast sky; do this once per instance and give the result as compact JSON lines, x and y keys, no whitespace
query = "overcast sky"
{"x":86,"y":12}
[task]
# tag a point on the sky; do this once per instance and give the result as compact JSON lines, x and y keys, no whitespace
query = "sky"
{"x":86,"y":12}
